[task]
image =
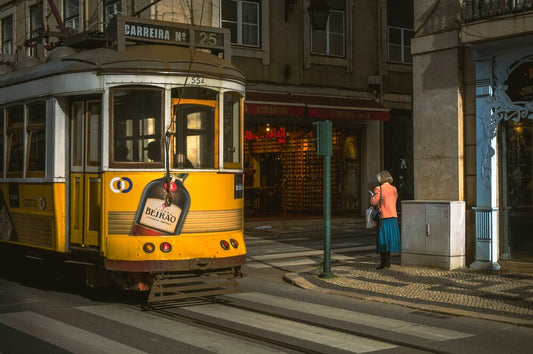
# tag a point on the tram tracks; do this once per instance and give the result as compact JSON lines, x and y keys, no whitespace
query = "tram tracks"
{"x":280,"y":341}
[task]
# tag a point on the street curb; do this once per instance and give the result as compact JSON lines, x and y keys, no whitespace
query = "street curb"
{"x":297,"y":280}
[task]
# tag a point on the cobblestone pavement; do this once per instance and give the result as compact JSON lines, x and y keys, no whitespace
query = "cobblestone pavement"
{"x":499,"y":296}
{"x":504,"y":295}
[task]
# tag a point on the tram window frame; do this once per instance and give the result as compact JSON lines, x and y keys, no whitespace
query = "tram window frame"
{"x":35,"y":161}
{"x":135,"y":134}
{"x":185,"y":134}
{"x":232,"y":130}
{"x":15,"y":129}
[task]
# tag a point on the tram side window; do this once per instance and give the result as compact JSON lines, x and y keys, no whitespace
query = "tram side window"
{"x":15,"y":140}
{"x":194,"y":145}
{"x":36,"y":134}
{"x":232,"y":129}
{"x":137,"y":125}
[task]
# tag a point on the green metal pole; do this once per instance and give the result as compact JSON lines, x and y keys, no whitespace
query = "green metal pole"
{"x":327,"y":218}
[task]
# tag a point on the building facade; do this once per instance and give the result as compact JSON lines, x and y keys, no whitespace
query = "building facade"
{"x":356,"y":72}
{"x":472,"y":116}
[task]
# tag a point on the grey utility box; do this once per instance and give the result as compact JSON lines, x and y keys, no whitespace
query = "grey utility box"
{"x":433,"y":233}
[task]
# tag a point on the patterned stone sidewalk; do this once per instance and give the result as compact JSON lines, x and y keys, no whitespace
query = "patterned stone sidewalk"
{"x":499,"y":296}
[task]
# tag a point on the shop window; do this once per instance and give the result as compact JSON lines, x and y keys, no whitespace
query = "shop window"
{"x":71,"y":14}
{"x":136,"y":125}
{"x":516,"y":183}
{"x":242,"y":18}
{"x":232,"y":128}
{"x":36,"y":138}
{"x":331,"y":40}
{"x":15,"y":140}
{"x":112,"y":8}
{"x":7,"y":35}
{"x":194,"y":144}
{"x":399,"y":45}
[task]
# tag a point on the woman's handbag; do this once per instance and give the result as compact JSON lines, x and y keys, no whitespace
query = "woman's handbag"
{"x":372,"y":214}
{"x":371,"y":217}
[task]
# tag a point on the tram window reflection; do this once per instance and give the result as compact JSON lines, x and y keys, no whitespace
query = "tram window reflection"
{"x":94,"y":143}
{"x":232,"y":127}
{"x":36,"y":134}
{"x":194,"y":145}
{"x":137,"y":121}
{"x":15,"y":134}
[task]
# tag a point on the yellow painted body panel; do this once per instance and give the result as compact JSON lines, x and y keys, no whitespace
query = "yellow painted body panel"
{"x":183,"y":247}
{"x":214,"y":215}
{"x":85,"y":209}
{"x":33,"y":215}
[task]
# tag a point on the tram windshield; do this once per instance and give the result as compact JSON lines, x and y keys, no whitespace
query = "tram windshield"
{"x":138,"y":128}
{"x":137,"y":125}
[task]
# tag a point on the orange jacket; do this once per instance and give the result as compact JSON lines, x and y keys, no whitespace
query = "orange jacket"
{"x":388,"y":200}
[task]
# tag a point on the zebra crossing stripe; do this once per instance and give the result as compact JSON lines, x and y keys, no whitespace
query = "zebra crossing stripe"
{"x":181,"y":332}
{"x":293,"y":329}
{"x":399,"y":326}
{"x":62,"y":335}
{"x":294,"y":262}
{"x":265,"y":257}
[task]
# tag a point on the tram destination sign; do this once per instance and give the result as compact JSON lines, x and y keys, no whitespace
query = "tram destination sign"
{"x":123,"y":30}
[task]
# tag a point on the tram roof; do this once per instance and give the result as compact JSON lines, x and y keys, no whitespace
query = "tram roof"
{"x":137,"y":59}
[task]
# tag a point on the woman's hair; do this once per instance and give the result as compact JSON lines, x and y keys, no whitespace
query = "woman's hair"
{"x":384,"y":177}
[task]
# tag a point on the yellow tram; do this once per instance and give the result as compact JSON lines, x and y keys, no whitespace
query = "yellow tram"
{"x":123,"y":151}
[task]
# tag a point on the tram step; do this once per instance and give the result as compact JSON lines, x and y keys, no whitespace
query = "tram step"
{"x":178,"y":286}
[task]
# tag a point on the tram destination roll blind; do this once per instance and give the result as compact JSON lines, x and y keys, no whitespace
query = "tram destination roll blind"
{"x":122,"y":29}
{"x":156,"y":32}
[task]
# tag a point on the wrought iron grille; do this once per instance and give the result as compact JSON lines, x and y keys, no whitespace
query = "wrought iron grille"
{"x":480,"y":9}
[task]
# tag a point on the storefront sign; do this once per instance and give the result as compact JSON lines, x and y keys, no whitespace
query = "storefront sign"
{"x":275,"y":133}
{"x":257,"y":109}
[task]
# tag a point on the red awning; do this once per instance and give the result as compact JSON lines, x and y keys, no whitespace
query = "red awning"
{"x":314,"y":107}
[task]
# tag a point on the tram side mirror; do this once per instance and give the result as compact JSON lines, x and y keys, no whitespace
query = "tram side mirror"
{"x":324,"y":137}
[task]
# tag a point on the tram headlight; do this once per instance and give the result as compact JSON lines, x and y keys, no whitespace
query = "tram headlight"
{"x":234,"y":243}
{"x":224,"y":244}
{"x":165,"y":247}
{"x":148,"y":247}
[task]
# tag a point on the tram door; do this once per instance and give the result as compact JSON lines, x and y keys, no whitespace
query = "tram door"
{"x":85,"y":178}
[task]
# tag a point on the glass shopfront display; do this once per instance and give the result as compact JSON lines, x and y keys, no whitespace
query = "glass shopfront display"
{"x":283,"y":172}
{"x":517,"y":189}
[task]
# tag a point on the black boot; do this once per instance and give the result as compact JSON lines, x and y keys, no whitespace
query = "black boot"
{"x":383,"y":263}
{"x":387,"y":259}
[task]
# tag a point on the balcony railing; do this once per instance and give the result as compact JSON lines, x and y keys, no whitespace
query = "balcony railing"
{"x":481,"y":9}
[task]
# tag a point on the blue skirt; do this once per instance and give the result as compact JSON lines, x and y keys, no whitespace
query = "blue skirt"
{"x":388,"y":236}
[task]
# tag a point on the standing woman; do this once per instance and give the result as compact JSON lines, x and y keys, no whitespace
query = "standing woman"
{"x":384,"y":198}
